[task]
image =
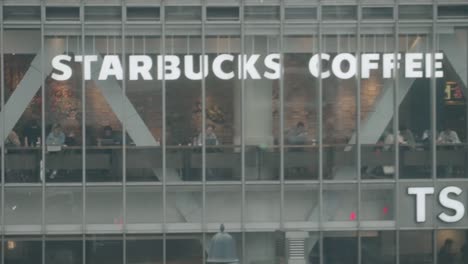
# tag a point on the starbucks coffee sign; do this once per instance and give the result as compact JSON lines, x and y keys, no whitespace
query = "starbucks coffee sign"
{"x":254,"y":66}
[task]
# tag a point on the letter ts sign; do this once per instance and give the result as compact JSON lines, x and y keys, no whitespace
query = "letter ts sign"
{"x":457,"y":208}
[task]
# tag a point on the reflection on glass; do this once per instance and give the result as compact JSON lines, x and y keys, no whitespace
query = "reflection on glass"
{"x":22,"y":84}
{"x":340,"y":203}
{"x":144,"y":249}
{"x":184,"y":248}
{"x":377,"y":110}
{"x":138,"y":199}
{"x":63,"y":250}
{"x":378,"y":247}
{"x":262,"y":247}
{"x":414,"y":113}
{"x":183,"y":115}
{"x":144,"y":126}
{"x":451,"y":106}
{"x":343,"y":242}
{"x":261,"y":112}
{"x":262,"y":204}
{"x":64,"y":205}
{"x":339,"y":111}
{"x":22,"y":250}
{"x":223,"y":205}
{"x":300,"y":110}
{"x":377,"y":202}
{"x":223,"y":113}
{"x":301,"y":203}
{"x":104,"y":115}
{"x":63,"y":106}
{"x":104,"y":249}
{"x":416,"y":253}
{"x":109,"y":198}
{"x":184,"y":206}
{"x":23,"y":206}
{"x":452,"y":246}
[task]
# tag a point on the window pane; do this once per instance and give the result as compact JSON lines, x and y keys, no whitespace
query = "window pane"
{"x":343,"y":242}
{"x":452,"y":11}
{"x":415,"y":109}
{"x":22,"y":250}
{"x":252,"y":13}
{"x":222,"y":13}
{"x":103,"y":13}
{"x":143,"y":13}
{"x":451,"y":105}
{"x":297,"y":13}
{"x":339,"y":12}
{"x":377,"y":110}
{"x":22,"y":83}
{"x":416,"y":253}
{"x":63,"y":116}
{"x":63,"y":250}
{"x":377,"y":13}
{"x":413,"y":12}
{"x":175,"y":13}
{"x":104,"y":249}
{"x":62,"y":13}
{"x":21,"y":13}
{"x":378,"y":247}
{"x":300,"y":110}
{"x":339,"y":108}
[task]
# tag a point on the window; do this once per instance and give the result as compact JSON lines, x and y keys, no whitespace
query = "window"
{"x":174,"y":13}
{"x":339,"y":12}
{"x":28,"y":13}
{"x":412,"y":12}
{"x":453,"y":11}
{"x":262,"y":13}
{"x":143,"y":13}
{"x":62,"y":13}
{"x":374,"y":13}
{"x":222,"y":13}
{"x":297,"y":13}
{"x":103,"y":13}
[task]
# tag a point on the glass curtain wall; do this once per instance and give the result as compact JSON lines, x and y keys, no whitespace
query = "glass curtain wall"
{"x":102,"y":167}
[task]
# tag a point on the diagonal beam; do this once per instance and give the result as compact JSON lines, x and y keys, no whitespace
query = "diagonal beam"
{"x":26,"y":89}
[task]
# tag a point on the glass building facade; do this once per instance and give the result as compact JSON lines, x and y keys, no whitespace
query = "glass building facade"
{"x":300,"y":169}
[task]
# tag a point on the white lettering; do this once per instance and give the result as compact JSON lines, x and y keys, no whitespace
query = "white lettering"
{"x":111,"y":66}
{"x":420,"y":193}
{"x":412,"y":64}
{"x":140,"y":65}
{"x":314,"y":65}
{"x":449,"y":203}
{"x":272,"y":62}
{"x":62,"y":67}
{"x":189,"y":67}
{"x":337,"y":65}
{"x":218,"y":69}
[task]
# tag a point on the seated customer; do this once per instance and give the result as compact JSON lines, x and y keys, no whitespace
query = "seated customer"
{"x":12,"y":140}
{"x":210,"y":136}
{"x":297,"y":135}
{"x":32,"y":134}
{"x":108,"y":137}
{"x":56,"y":136}
{"x":448,"y":136}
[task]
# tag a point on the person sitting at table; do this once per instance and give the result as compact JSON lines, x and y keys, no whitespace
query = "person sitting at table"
{"x":407,"y":137}
{"x":56,"y":136}
{"x":12,"y":140}
{"x":297,"y":135}
{"x":32,"y":133}
{"x":210,"y":136}
{"x":108,"y":137}
{"x":70,"y":139}
{"x":448,"y":136}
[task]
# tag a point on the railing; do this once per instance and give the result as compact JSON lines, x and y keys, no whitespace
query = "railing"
{"x":223,"y":163}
